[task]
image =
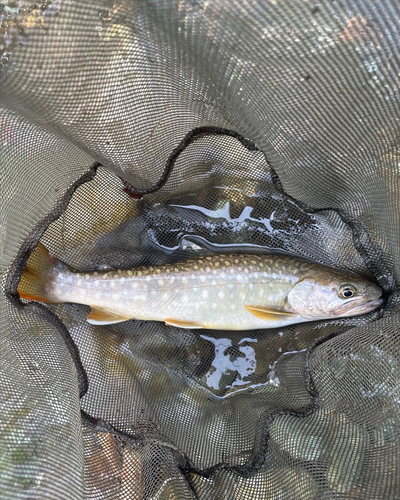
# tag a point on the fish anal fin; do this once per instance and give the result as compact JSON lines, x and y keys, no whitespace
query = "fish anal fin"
{"x":99,"y":316}
{"x":269,"y":313}
{"x":182,"y":323}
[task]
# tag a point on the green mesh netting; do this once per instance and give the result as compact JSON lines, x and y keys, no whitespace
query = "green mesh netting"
{"x":95,"y":98}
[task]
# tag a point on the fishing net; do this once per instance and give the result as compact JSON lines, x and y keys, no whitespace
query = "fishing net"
{"x":146,"y":132}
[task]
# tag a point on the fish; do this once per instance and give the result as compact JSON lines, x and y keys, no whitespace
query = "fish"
{"x":222,"y":291}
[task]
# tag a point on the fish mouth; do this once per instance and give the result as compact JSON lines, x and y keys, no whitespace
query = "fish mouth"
{"x":350,"y":310}
{"x":371,"y":304}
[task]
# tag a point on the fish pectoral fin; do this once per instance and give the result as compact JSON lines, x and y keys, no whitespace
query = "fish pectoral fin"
{"x":269,"y":313}
{"x":183,"y":324}
{"x":99,"y":316}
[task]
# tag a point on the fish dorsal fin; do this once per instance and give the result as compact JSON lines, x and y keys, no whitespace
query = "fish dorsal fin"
{"x":183,"y":324}
{"x":269,"y":313}
{"x":99,"y":316}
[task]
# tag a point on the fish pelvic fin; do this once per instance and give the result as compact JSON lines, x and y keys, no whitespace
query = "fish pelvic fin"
{"x":36,"y":275}
{"x":269,"y":313}
{"x":99,"y":316}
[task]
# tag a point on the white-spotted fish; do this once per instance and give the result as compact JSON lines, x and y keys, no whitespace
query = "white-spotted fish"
{"x":226,"y":292}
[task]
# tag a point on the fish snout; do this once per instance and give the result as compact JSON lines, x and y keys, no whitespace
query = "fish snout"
{"x":373,"y":292}
{"x":372,"y":298}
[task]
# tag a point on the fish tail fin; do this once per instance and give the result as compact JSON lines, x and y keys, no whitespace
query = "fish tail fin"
{"x":36,"y":275}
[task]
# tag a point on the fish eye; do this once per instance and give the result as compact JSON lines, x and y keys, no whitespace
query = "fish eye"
{"x":347,"y":291}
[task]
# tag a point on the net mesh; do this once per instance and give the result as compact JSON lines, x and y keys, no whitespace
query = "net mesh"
{"x":95,"y":98}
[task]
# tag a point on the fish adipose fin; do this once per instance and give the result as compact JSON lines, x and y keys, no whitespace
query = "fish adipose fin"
{"x":183,"y":324}
{"x":36,"y":274}
{"x":99,"y":316}
{"x":269,"y":313}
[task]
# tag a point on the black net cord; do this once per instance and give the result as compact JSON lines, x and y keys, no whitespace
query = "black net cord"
{"x":246,"y":470}
{"x":363,"y":243}
{"x":17,"y":267}
{"x":191,"y":136}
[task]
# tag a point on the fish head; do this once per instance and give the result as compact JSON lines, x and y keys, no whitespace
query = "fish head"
{"x":326,"y":293}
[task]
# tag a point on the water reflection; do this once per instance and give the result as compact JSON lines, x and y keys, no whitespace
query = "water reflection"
{"x":224,"y":212}
{"x":235,"y":367}
{"x":235,"y":362}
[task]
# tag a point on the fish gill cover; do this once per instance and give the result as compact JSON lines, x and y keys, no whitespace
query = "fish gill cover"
{"x":100,"y":161}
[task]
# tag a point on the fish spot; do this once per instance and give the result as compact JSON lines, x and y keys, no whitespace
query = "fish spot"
{"x":227,"y":263}
{"x":217,"y":264}
{"x":139,"y":273}
{"x":195,"y":267}
{"x":130,"y":273}
{"x":261,"y":264}
{"x":253,"y":262}
{"x":208,"y":269}
{"x":236,"y":261}
{"x":95,"y":273}
{"x":209,"y":258}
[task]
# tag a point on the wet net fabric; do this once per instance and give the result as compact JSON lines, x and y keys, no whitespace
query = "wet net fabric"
{"x":95,"y":98}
